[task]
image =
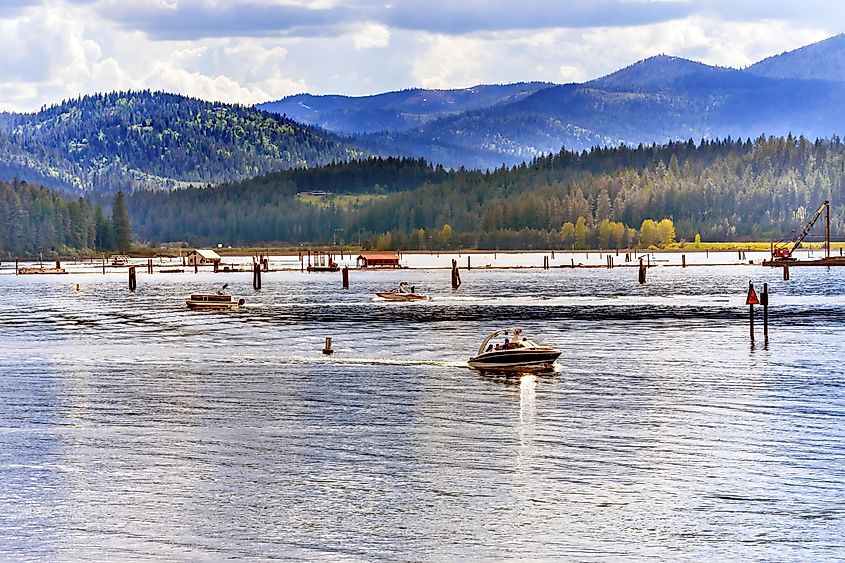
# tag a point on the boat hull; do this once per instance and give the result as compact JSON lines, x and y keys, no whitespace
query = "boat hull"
{"x":211,"y":306}
{"x":395,"y":296}
{"x":514,"y":358}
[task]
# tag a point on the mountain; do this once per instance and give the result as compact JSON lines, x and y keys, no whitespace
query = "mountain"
{"x":123,"y":140}
{"x":655,"y":100}
{"x":824,"y":60}
{"x":654,"y":73}
{"x":626,"y":108}
{"x":395,"y":111}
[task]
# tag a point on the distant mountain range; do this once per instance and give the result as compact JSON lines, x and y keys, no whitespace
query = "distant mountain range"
{"x":652,"y":101}
{"x":124,"y":140}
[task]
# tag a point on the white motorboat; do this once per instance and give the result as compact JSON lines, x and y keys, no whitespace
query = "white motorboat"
{"x":404,"y":292}
{"x":515,"y":351}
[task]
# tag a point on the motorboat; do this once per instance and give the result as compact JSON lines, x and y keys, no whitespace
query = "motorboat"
{"x":404,"y":292}
{"x":213,"y":301}
{"x":515,"y":352}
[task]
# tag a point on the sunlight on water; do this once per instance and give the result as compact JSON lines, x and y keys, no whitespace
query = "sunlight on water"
{"x":133,"y":428}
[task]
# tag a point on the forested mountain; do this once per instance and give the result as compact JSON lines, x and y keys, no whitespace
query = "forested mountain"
{"x":656,"y":100}
{"x":723,"y":190}
{"x":123,"y":140}
{"x":824,"y":60}
{"x":395,"y":111}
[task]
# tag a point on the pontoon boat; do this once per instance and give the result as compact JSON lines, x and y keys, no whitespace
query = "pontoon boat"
{"x":217,"y":300}
{"x":404,"y":292}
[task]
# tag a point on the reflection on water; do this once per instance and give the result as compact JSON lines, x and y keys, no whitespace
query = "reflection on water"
{"x":131,"y":427}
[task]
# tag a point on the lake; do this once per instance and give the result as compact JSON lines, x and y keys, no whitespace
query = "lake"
{"x":131,"y":427}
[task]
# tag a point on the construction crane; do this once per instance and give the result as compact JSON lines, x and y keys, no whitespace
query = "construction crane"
{"x":782,"y":251}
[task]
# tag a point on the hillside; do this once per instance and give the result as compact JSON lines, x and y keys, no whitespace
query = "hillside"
{"x":824,"y":60}
{"x":395,"y":111}
{"x":123,"y":140}
{"x":722,"y":190}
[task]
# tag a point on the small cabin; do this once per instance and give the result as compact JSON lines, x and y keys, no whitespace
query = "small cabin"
{"x":203,"y":258}
{"x":378,"y":260}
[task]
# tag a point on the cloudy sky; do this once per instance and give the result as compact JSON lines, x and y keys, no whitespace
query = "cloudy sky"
{"x":257,"y":50}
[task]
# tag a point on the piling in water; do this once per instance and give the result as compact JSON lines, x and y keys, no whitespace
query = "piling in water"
{"x":469,"y":265}
{"x":256,"y":276}
{"x":327,"y":349}
{"x":683,"y":260}
{"x":456,"y":275}
{"x":642,"y":272}
{"x":16,"y":266}
{"x":764,"y":301}
{"x":133,"y":283}
{"x":786,"y":273}
{"x":345,"y":276}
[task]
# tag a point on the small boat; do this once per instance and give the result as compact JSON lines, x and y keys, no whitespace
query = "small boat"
{"x":404,"y":292}
{"x":210,"y":301}
{"x":25,"y":271}
{"x":516,"y":352}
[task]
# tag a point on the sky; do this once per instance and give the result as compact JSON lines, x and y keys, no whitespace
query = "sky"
{"x":250,"y":51}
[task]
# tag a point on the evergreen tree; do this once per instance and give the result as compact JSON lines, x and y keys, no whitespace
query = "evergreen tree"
{"x":120,"y":221}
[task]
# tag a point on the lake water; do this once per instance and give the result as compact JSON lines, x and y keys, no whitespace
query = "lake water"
{"x":131,"y":427}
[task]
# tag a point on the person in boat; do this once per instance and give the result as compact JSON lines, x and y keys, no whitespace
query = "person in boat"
{"x":507,"y":344}
{"x":489,"y":348}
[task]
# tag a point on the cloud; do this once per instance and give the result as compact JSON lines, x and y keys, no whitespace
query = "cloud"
{"x":194,"y":19}
{"x":254,"y":50}
{"x":371,"y":35}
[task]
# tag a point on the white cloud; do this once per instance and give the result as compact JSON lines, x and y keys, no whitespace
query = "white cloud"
{"x":62,"y":48}
{"x":371,"y":35}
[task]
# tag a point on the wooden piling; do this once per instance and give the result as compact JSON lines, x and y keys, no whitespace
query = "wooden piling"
{"x":216,"y":266}
{"x":553,"y":254}
{"x":16,"y":265}
{"x":683,"y":260}
{"x":469,"y":265}
{"x":764,"y":301}
{"x":572,"y":261}
{"x":786,"y":273}
{"x":104,"y":265}
{"x":133,"y":283}
{"x":456,"y":275}
{"x":345,"y":275}
{"x":327,"y":349}
{"x":256,"y":276}
{"x":545,"y":262}
{"x":642,"y":271}
{"x":149,"y":265}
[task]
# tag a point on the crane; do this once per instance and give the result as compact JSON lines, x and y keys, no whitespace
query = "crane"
{"x":783,"y":250}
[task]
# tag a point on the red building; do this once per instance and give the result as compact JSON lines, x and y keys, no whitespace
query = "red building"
{"x":378,"y":260}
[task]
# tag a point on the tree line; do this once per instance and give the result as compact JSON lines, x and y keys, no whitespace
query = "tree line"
{"x":35,"y":220}
{"x":715,"y":190}
{"x":720,"y":190}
